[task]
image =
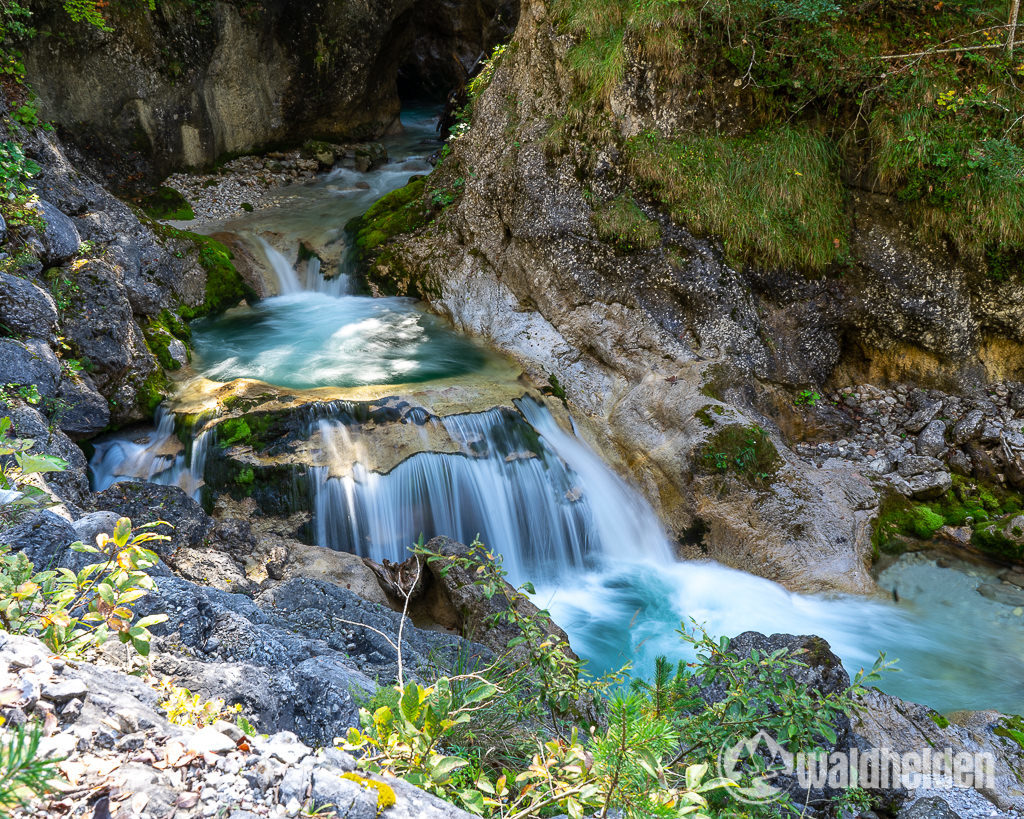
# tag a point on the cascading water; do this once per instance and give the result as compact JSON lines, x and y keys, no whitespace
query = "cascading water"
{"x":505,"y":486}
{"x":539,"y":496}
{"x":150,"y":455}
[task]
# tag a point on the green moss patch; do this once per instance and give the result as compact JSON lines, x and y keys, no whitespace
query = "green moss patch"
{"x":744,"y":451}
{"x":401,"y":211}
{"x":161,"y":332}
{"x":167,"y":204}
{"x":985,"y":509}
{"x":255,"y":430}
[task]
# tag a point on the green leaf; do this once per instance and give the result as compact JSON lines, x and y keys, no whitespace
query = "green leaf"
{"x":38,"y":464}
{"x":122,"y":532}
{"x":481,"y":693}
{"x":106,"y":593}
{"x":442,"y":768}
{"x":151,"y":620}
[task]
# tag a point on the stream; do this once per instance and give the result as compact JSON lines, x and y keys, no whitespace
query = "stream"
{"x":531,"y":489}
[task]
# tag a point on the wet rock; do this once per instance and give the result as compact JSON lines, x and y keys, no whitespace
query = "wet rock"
{"x":1005,"y":593}
{"x":470,"y":607}
{"x":26,"y":309}
{"x":932,"y":440}
{"x":29,"y":362}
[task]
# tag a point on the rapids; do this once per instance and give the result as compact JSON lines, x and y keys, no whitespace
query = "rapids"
{"x":535,"y":493}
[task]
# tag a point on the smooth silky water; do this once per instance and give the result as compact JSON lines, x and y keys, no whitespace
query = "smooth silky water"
{"x":539,"y":496}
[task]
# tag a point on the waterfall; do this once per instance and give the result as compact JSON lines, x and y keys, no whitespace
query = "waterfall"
{"x":313,"y":281}
{"x":157,"y":456}
{"x":287,"y":280}
{"x":517,"y":490}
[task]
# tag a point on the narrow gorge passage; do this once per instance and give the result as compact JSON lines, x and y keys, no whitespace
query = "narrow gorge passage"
{"x":531,"y":490}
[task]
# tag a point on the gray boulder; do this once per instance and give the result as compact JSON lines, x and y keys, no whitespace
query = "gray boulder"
{"x":931,"y":441}
{"x":91,"y":526}
{"x":26,"y":309}
{"x":71,"y":485}
{"x":58,"y":240}
{"x":43,"y":538}
{"x":82,"y":412}
{"x":932,"y":807}
{"x":923,"y":486}
{"x":923,"y":416}
{"x":960,"y":462}
{"x":29,"y":362}
{"x":969,"y":427}
{"x":146,"y":502}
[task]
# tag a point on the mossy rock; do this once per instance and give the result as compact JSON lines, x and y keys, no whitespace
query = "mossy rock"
{"x":401,"y":211}
{"x":225,"y":286}
{"x":385,"y":793}
{"x":987,"y":510}
{"x":744,"y":451}
{"x":161,"y":332}
{"x":167,"y":204}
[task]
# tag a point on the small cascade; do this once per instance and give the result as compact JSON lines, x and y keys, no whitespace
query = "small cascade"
{"x":315,"y":281}
{"x":287,"y":279}
{"x":157,"y":456}
{"x":506,"y":485}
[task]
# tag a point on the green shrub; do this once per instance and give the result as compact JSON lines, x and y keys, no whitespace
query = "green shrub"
{"x":75,"y":611}
{"x":642,"y":750}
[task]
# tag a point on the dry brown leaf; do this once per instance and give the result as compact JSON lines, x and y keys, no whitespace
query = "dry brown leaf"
{"x":50,"y":724}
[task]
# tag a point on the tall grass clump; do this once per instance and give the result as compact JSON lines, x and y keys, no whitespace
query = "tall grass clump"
{"x":774,"y":197}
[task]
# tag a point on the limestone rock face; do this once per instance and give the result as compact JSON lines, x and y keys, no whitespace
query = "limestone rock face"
{"x":183,"y":86}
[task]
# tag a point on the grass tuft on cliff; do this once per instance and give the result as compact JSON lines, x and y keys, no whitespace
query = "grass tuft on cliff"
{"x":774,"y":196}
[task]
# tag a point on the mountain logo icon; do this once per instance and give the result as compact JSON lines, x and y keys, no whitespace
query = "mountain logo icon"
{"x":752,"y":764}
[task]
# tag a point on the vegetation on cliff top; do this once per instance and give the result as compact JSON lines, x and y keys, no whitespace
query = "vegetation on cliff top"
{"x":919,"y":101}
